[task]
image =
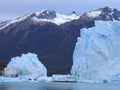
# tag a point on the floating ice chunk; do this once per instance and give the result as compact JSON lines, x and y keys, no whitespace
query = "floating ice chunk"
{"x":27,"y":65}
{"x":65,"y":78}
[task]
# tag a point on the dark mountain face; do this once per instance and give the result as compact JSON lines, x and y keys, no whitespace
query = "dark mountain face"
{"x":53,"y":43}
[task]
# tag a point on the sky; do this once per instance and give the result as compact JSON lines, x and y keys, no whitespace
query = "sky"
{"x":11,"y":9}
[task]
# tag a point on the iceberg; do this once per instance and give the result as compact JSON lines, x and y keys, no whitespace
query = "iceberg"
{"x":64,"y":78}
{"x":26,"y":66}
{"x":97,"y":53}
{"x":9,"y":79}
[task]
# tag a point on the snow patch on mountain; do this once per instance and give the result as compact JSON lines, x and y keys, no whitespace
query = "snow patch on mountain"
{"x":94,"y":14}
{"x":27,"y":65}
{"x":97,"y":53}
{"x":13,"y":21}
{"x":59,"y":19}
{"x":106,"y":13}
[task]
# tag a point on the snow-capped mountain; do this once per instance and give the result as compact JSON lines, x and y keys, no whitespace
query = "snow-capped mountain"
{"x":96,"y":56}
{"x":52,"y":16}
{"x":49,"y":34}
{"x":107,"y":13}
{"x":44,"y":15}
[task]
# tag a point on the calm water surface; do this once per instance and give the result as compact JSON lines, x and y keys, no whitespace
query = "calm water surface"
{"x":57,"y":86}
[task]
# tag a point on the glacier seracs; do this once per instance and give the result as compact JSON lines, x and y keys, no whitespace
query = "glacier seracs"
{"x":26,"y":66}
{"x":97,"y":53}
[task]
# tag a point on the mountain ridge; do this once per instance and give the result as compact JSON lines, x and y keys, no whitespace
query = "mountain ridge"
{"x":46,"y":15}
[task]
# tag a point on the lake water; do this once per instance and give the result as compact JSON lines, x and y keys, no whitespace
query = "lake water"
{"x":57,"y":86}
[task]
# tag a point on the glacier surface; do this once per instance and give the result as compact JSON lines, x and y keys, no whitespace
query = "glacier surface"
{"x":97,"y":53}
{"x":26,"y":66}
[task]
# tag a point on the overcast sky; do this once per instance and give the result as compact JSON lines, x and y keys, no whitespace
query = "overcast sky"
{"x":10,"y":9}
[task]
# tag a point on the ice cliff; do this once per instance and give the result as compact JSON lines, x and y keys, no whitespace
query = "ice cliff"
{"x":97,"y":53}
{"x":27,"y":65}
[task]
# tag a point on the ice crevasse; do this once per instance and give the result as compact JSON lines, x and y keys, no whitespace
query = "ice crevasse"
{"x":27,"y":65}
{"x":97,"y":53}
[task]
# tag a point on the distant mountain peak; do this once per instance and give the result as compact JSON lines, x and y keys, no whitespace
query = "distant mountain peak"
{"x":73,"y":13}
{"x":100,"y":11}
{"x":49,"y":15}
{"x":109,"y":8}
{"x":106,"y":13}
{"x":46,"y":13}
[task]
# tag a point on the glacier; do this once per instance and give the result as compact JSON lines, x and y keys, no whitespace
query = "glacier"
{"x":97,"y":53}
{"x":25,"y":66}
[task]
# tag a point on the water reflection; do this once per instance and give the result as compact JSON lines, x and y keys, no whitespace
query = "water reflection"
{"x":57,"y":86}
{"x":35,"y":86}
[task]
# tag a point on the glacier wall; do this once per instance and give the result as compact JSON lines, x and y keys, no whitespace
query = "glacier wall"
{"x":97,"y":53}
{"x":27,"y":65}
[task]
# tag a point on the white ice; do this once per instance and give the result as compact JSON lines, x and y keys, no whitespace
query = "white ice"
{"x":64,"y":78}
{"x":26,"y":66}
